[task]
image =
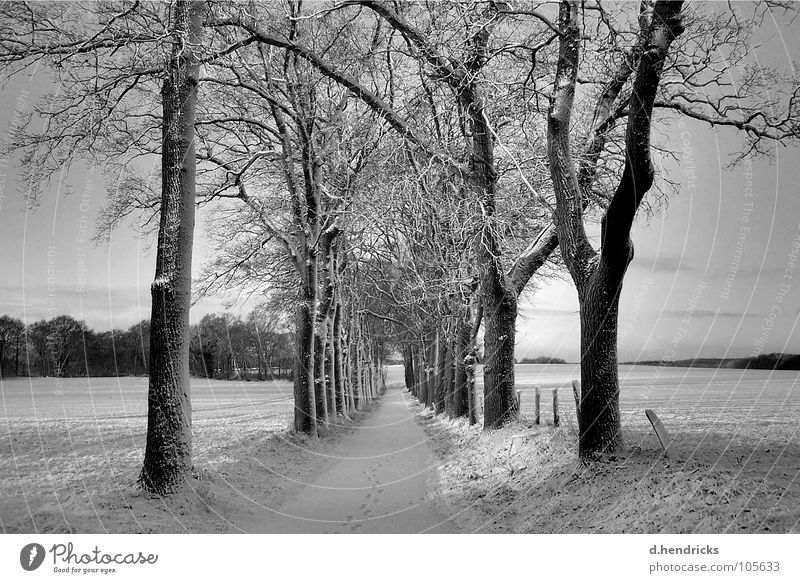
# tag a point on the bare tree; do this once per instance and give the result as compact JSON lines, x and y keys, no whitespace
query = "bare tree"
{"x":168,"y":452}
{"x":632,"y":87}
{"x":109,"y":60}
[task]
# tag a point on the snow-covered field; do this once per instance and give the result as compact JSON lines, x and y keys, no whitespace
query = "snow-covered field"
{"x":70,"y":452}
{"x":695,"y":401}
{"x":736,"y":469}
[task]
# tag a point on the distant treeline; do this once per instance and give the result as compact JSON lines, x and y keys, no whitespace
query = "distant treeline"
{"x":773,"y":361}
{"x":542,"y":360}
{"x":222,"y":346}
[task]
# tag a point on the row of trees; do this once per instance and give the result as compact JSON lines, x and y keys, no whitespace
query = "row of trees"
{"x":395,"y":175}
{"x":221,"y":346}
{"x":65,"y":347}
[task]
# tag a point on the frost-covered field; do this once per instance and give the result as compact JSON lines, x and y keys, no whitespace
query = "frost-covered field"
{"x":737,"y":467}
{"x":692,"y":402}
{"x":70,"y":453}
{"x":70,"y":450}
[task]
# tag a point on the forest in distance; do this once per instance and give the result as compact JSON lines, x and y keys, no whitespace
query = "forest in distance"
{"x":772,"y":361}
{"x":395,"y":178}
{"x":222,"y":346}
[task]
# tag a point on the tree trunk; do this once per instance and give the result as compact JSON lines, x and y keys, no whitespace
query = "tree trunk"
{"x":408,"y":368}
{"x":320,"y":395}
{"x":348,"y":379}
{"x":441,"y":371}
{"x":381,"y":371}
{"x":168,"y":451}
{"x":430,"y":374}
{"x":471,"y":361}
{"x":449,"y":375}
{"x":355,"y":367}
{"x":330,"y":381}
{"x":338,"y":368}
{"x":499,"y":400}
{"x":460,"y":388}
{"x":422,"y":384}
{"x":369,"y":374}
{"x":497,"y":293}
{"x":324,"y":396}
{"x":598,"y":278}
{"x":305,"y":408}
{"x":599,"y":420}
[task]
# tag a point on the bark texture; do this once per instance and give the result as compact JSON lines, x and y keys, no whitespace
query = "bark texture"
{"x":342,"y":404}
{"x":168,"y":451}
{"x":598,"y":277}
{"x":305,"y":408}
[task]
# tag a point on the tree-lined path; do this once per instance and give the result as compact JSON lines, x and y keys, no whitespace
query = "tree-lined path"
{"x":391,"y":180}
{"x":379,"y":482}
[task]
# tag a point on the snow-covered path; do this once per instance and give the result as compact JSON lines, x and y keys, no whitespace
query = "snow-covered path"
{"x":376,"y":482}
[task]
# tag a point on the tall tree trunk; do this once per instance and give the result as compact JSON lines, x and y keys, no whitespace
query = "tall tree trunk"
{"x":599,"y":421}
{"x":379,"y":368}
{"x":408,"y":368}
{"x":338,"y":368}
{"x":348,"y":380}
{"x":305,"y":408}
{"x":471,"y":361}
{"x":460,"y":388}
{"x":449,"y":375}
{"x":598,"y":277}
{"x":499,"y":402}
{"x":422,"y":383}
{"x":497,"y":294}
{"x":320,"y":396}
{"x":324,"y":397}
{"x":430,"y":374}
{"x":441,"y":371}
{"x":355,"y":366}
{"x":369,"y":371}
{"x":168,"y":451}
{"x":330,"y":373}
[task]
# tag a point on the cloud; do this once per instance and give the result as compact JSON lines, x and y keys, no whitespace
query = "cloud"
{"x":662,"y":263}
{"x":709,"y":314}
{"x":768,"y":272}
{"x":99,"y":307}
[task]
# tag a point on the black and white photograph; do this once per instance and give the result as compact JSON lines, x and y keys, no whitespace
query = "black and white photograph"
{"x":388,"y":267}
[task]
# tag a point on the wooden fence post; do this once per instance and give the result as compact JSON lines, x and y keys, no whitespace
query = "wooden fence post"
{"x":556,"y":419}
{"x":519,"y":404}
{"x":536,"y":402}
{"x":576,"y":392}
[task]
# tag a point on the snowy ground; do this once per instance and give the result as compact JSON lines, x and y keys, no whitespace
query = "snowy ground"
{"x":70,"y":454}
{"x":737,"y":467}
{"x":376,"y":479}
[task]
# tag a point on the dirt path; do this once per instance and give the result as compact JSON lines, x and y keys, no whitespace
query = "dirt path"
{"x":379,"y":482}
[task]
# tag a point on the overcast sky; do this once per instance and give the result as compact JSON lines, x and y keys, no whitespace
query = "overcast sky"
{"x":711,"y":276}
